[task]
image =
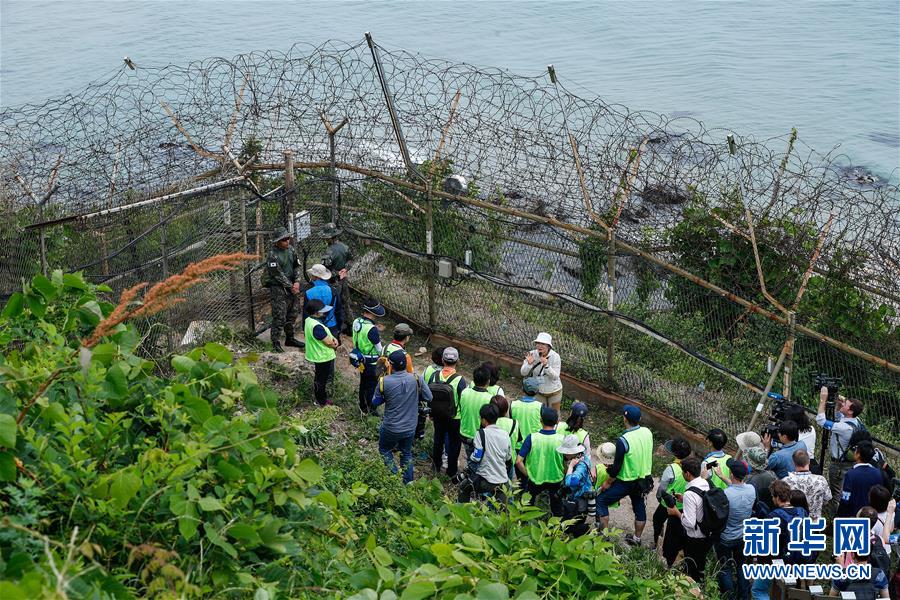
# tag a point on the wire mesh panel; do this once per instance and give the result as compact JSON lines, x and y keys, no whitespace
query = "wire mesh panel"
{"x":668,"y":263}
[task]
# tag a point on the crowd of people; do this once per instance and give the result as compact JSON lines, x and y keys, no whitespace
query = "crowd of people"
{"x":522,"y":447}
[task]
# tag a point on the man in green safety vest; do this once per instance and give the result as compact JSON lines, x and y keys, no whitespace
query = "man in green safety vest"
{"x":669,"y":493}
{"x":540,"y":465}
{"x":281,"y":277}
{"x":718,"y":457}
{"x":527,"y":410}
{"x":320,"y":345}
{"x":629,"y":474}
{"x":367,"y":348}
{"x":470,"y":402}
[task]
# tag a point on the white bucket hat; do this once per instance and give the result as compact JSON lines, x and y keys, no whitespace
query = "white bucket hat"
{"x":570,"y":445}
{"x":606,"y":453}
{"x":748,"y":440}
{"x":544,"y":338}
{"x":319,"y":271}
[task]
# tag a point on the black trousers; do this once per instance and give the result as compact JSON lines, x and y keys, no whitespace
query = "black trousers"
{"x":659,"y":519}
{"x":480,"y":485}
{"x":367,"y":383}
{"x":324,"y":375}
{"x":674,"y":538}
{"x":695,"y":553}
{"x":552,"y":491}
{"x":450,"y":428}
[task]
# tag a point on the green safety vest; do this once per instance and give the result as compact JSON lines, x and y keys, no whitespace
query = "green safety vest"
{"x":493,"y":389}
{"x":543,"y":463}
{"x":361,"y":328}
{"x":581,"y":434}
{"x":639,"y":459}
{"x":528,"y":414}
{"x":391,"y":348}
{"x":678,"y":485}
{"x":317,"y":351}
{"x":511,"y":427}
{"x":470,"y":402}
{"x":723,"y":464}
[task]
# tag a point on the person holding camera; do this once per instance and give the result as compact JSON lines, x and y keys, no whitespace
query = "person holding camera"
{"x":669,"y":494}
{"x":782,"y":460}
{"x":715,"y":464}
{"x":544,"y":365}
{"x":578,"y":484}
{"x":488,"y":467}
{"x":696,"y":543}
{"x":846,"y":421}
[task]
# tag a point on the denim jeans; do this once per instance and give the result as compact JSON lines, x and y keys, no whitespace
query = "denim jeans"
{"x":731,"y":556}
{"x":388,"y":442}
{"x":760,"y":589}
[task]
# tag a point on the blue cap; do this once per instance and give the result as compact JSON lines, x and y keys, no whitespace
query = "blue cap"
{"x":632,"y":413}
{"x":398,"y":360}
{"x":549,"y":415}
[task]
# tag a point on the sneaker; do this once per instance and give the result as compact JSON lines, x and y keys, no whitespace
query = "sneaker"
{"x":632,"y":540}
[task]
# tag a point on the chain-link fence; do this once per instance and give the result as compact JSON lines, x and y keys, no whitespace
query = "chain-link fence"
{"x":635,"y":239}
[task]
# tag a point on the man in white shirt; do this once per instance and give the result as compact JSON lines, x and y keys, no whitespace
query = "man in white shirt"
{"x":696,"y":545}
{"x":846,"y":421}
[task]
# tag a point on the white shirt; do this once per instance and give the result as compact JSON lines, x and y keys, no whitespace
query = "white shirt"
{"x":878,"y":529}
{"x":692,"y":511}
{"x":549,"y":375}
{"x":809,"y":438}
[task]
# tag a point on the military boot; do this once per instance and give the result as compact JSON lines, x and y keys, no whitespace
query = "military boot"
{"x":290,"y":340}
{"x":276,"y":346}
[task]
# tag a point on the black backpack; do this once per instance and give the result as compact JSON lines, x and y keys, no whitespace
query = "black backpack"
{"x":715,"y":511}
{"x":443,"y":396}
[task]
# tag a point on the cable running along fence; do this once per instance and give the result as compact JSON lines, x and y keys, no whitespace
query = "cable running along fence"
{"x":668,"y":264}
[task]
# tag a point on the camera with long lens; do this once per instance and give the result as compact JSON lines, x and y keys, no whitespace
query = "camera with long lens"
{"x":776,"y":416}
{"x":833,"y":384}
{"x":459,"y":478}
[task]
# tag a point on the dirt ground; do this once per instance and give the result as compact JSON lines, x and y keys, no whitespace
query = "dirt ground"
{"x":602,"y":426}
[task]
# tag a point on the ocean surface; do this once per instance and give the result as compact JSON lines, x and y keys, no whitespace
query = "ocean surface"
{"x":830,"y":69}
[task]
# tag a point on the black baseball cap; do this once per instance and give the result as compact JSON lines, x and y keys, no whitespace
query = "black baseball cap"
{"x":738,"y":468}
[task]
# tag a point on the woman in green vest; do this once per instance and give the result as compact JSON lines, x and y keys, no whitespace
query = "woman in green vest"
{"x":493,"y":386}
{"x":575,"y":425}
{"x":320,"y":345}
{"x":671,"y":488}
{"x":367,"y":346}
{"x":526,"y":410}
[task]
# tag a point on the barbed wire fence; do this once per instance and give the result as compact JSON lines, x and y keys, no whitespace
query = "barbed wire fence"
{"x":669,"y":264}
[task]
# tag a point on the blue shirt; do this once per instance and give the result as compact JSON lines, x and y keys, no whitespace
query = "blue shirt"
{"x":526,"y":445}
{"x":741,"y":497}
{"x":782,"y":460}
{"x":320,"y":290}
{"x":579,"y":480}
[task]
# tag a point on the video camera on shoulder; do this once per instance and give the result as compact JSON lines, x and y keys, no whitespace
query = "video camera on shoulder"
{"x":833,"y":384}
{"x":779,"y":409}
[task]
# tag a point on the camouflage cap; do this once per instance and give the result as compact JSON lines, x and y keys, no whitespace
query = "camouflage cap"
{"x":281,"y":234}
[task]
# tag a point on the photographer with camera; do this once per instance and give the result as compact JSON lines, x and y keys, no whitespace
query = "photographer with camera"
{"x":487,"y":471}
{"x":782,"y":460}
{"x":578,"y":484}
{"x":845,"y":422}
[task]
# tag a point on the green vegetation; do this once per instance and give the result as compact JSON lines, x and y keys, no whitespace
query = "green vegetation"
{"x":189,"y":478}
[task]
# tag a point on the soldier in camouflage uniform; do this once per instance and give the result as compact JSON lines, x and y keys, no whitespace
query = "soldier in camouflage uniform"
{"x":282,"y":277}
{"x":337,"y":259}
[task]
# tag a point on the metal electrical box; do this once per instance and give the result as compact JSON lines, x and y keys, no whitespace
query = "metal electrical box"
{"x":445,"y":269}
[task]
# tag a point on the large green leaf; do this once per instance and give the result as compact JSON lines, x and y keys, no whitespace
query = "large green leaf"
{"x":123,"y":488}
{"x":310,"y":471}
{"x":36,"y":305}
{"x":44,"y":286}
{"x":14,"y":306}
{"x":74,"y":280}
{"x":218,"y":352}
{"x":183,"y":364}
{"x":7,"y":466}
{"x":7,"y":431}
{"x":210,"y":504}
{"x":418,"y":590}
